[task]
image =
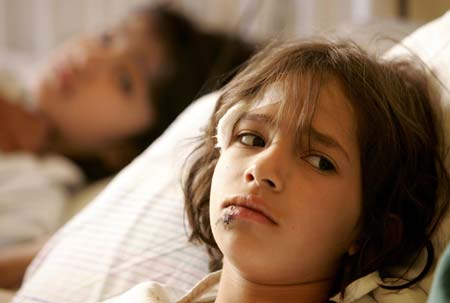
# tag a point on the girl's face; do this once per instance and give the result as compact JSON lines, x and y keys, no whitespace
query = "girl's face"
{"x":283,"y":213}
{"x":94,"y":89}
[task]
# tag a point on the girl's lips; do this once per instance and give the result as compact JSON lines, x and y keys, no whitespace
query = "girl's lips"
{"x":249,"y":207}
{"x":242,"y":212}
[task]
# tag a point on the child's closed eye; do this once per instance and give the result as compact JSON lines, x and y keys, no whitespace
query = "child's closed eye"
{"x":251,"y":139}
{"x":321,"y":163}
{"x":106,"y":39}
{"x":125,"y":82}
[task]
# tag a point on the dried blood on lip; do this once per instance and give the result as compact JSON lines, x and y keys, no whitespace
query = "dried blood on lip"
{"x":251,"y":214}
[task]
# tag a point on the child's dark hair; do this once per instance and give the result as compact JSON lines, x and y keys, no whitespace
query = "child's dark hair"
{"x":197,"y":62}
{"x":405,"y":186}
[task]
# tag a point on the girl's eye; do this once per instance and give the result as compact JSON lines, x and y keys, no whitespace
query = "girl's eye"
{"x":321,"y":163}
{"x":252,"y":140}
{"x":125,"y":83}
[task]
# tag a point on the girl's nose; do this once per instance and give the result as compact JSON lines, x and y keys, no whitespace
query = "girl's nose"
{"x":266,"y":171}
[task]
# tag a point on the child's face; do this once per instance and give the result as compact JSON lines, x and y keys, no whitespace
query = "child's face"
{"x":95,"y":88}
{"x":311,"y":198}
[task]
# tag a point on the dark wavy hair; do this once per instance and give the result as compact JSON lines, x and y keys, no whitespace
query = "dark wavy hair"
{"x":405,"y":186}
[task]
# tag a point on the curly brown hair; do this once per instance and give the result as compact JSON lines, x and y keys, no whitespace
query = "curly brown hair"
{"x":405,"y":184}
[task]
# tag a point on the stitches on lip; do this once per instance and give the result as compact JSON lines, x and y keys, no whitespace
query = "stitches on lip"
{"x":246,"y":201}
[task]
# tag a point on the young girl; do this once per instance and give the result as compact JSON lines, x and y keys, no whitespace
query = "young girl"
{"x":99,"y":101}
{"x":320,"y":165}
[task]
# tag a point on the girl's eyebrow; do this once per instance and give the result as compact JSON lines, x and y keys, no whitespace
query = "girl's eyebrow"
{"x":327,"y":140}
{"x":262,"y":118}
{"x":314,"y":134}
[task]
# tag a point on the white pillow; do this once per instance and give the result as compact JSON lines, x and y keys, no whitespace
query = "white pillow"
{"x":132,"y":232}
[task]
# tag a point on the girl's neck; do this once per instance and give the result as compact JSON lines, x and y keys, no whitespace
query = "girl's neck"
{"x":234,"y":287}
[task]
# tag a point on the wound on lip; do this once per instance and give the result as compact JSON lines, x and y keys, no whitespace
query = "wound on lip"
{"x":227,"y":216}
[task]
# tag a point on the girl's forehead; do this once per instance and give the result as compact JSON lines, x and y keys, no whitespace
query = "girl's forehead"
{"x":283,"y":101}
{"x":295,"y":94}
{"x":269,"y":98}
{"x":272,"y":95}
{"x":291,"y":104}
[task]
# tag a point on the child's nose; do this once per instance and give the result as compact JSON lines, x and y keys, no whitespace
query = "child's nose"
{"x":266,"y":171}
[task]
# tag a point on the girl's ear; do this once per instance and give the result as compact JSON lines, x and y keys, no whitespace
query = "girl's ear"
{"x":391,"y":236}
{"x":388,"y":239}
{"x":353,"y":249}
{"x":393,"y":231}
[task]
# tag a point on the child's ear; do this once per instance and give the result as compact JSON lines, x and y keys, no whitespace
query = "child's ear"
{"x":353,"y":249}
{"x":393,"y":230}
{"x":392,"y":235}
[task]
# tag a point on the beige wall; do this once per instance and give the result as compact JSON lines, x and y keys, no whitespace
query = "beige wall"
{"x":37,"y":26}
{"x":419,"y":10}
{"x":384,"y":8}
{"x":426,"y":10}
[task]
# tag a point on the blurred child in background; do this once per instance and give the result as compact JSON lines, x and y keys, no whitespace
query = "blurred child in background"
{"x":99,"y":101}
